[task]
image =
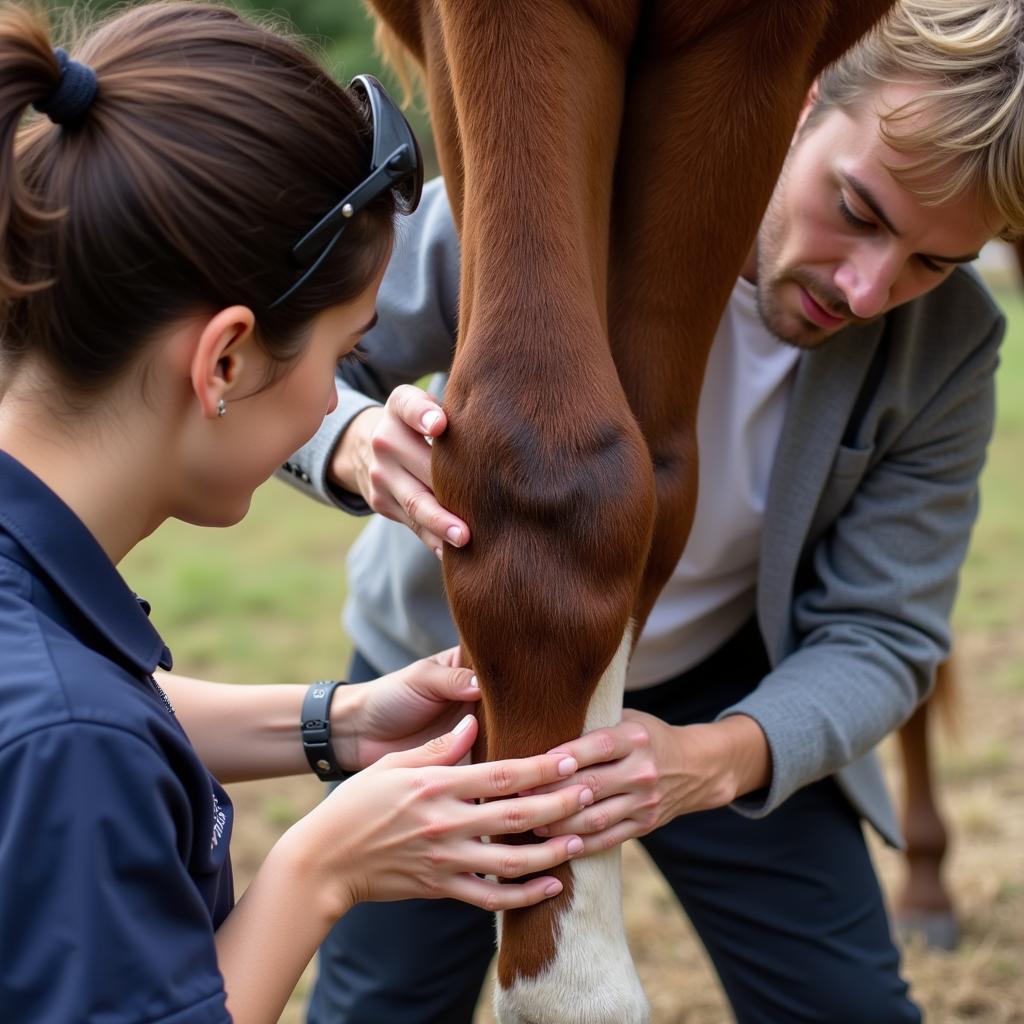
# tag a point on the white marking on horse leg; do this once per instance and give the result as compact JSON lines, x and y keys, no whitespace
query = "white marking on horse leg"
{"x":592,"y":979}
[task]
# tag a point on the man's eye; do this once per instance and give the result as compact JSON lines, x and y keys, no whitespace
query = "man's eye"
{"x":935,"y":268}
{"x":850,"y":217}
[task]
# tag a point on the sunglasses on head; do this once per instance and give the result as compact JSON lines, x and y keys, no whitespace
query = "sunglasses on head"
{"x":396,"y":163}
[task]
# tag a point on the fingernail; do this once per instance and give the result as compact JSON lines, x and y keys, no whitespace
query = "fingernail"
{"x":430,"y":419}
{"x":553,"y":888}
{"x":439,"y":553}
{"x":567,"y":766}
{"x":463,"y":725}
{"x":474,"y":683}
{"x":542,"y":831}
{"x":454,"y":534}
{"x":586,"y":797}
{"x":574,"y":845}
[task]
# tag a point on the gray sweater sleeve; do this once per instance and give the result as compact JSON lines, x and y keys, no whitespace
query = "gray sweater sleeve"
{"x":414,"y":336}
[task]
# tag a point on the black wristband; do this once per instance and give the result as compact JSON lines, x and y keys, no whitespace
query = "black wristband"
{"x":316,"y":731}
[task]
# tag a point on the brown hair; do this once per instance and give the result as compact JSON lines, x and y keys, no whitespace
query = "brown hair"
{"x":212,"y":145}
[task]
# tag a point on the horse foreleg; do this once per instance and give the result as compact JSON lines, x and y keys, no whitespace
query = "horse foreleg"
{"x":923,"y":905}
{"x":590,"y":978}
{"x":542,"y":456}
{"x":543,"y":598}
{"x":727,"y":81}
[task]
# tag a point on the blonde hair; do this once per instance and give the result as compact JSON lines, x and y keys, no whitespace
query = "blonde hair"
{"x":965,"y":131}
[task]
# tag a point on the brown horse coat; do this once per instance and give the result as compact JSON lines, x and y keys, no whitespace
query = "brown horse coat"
{"x":608,"y":163}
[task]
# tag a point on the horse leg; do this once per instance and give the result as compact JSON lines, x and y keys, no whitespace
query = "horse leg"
{"x":589,"y":976}
{"x":543,"y":598}
{"x":923,"y":905}
{"x":727,"y":81}
{"x":541,"y":446}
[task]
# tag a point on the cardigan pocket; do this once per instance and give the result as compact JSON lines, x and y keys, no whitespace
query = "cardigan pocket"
{"x":851,"y":463}
{"x":848,"y":469}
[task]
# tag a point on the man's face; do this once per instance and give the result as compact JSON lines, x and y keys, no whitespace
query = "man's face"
{"x":842,"y":241}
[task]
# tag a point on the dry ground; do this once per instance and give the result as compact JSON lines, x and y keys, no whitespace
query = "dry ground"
{"x":983,"y":790}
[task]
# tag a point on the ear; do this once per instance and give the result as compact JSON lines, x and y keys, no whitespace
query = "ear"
{"x":808,"y":105}
{"x":219,"y":356}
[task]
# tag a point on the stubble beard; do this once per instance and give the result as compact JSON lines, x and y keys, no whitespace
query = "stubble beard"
{"x":773,"y":315}
{"x":788,"y":327}
{"x":785,"y":323}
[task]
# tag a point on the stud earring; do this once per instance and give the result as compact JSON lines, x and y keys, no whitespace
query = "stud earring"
{"x":222,"y":407}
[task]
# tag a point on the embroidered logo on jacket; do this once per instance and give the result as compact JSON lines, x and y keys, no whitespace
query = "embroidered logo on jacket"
{"x":220,"y":819}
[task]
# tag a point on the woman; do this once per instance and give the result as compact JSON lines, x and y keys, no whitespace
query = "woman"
{"x":192,"y":231}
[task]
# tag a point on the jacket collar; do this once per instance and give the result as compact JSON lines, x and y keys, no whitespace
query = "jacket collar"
{"x":68,"y":555}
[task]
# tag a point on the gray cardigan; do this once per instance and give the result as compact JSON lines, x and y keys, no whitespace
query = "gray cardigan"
{"x":870,"y":506}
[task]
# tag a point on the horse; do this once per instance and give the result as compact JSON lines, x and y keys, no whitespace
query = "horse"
{"x":923,"y":905}
{"x":608,"y":163}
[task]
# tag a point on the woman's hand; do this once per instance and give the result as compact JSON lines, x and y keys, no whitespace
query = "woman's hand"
{"x":644,"y":772}
{"x":402,"y":709}
{"x":409,"y":826}
{"x":385,"y":455}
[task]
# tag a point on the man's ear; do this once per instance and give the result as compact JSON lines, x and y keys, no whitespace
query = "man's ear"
{"x":219,"y":356}
{"x":808,"y":105}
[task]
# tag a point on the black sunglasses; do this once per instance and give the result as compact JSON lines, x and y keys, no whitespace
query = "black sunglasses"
{"x":396,"y":163}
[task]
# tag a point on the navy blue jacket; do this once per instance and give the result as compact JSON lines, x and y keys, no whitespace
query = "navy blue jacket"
{"x":114,"y":866}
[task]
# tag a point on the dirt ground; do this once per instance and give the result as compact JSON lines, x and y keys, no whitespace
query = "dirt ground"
{"x":982,"y":787}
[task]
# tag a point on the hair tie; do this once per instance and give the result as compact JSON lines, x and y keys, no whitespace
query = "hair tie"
{"x":74,"y":94}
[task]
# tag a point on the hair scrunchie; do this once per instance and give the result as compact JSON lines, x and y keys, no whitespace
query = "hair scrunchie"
{"x":74,"y":94}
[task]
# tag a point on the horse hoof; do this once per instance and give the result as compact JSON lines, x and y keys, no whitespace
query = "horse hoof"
{"x":939,"y":931}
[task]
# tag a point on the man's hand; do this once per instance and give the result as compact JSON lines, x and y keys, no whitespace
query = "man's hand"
{"x":645,"y":772}
{"x":384,"y":455}
{"x":403,"y":709}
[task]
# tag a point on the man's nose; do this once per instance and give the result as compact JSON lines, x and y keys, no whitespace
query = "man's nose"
{"x":866,"y":282}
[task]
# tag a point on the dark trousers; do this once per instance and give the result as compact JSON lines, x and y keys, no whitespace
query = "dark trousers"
{"x":788,"y":906}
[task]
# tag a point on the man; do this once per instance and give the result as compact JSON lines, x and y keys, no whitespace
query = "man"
{"x":838,"y":485}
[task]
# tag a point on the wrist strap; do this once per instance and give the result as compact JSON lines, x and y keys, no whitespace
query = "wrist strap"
{"x":315,"y":723}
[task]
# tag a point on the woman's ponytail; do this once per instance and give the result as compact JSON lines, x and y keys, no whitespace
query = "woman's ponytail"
{"x":29,"y":73}
{"x":210,"y":147}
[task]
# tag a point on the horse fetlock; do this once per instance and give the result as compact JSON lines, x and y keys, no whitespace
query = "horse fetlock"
{"x":590,"y":979}
{"x":595,"y":997}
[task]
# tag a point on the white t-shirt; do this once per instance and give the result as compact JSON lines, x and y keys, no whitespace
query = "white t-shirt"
{"x":743,"y":404}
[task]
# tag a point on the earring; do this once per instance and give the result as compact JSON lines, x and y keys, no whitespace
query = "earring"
{"x":222,"y":407}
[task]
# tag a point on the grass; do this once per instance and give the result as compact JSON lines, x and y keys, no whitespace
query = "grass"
{"x":258,"y":602}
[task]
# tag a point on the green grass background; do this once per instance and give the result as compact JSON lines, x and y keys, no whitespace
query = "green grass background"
{"x":257,"y":602}
{"x":992,"y":590}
